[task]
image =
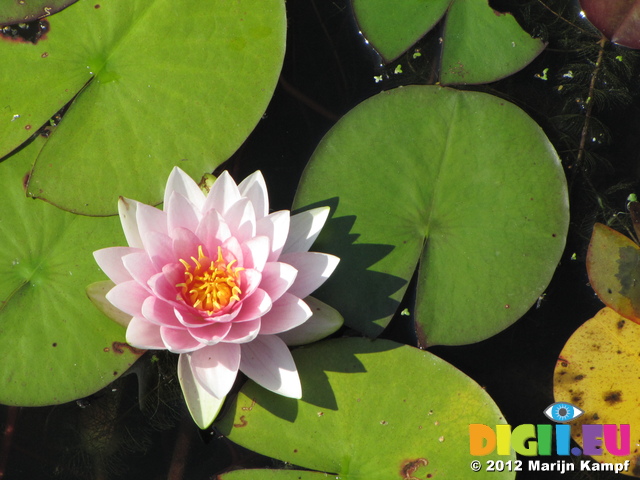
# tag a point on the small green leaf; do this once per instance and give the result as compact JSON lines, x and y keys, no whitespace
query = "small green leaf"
{"x":392,"y":27}
{"x":479,"y":45}
{"x":613,"y":265}
{"x":464,"y":185}
{"x":56,"y":345}
{"x":370,"y":409}
{"x":150,"y":85}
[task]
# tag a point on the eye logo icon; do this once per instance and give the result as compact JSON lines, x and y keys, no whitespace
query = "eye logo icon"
{"x":562,"y":412}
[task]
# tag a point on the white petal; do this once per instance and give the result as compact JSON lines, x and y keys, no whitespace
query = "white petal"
{"x":241,"y":220}
{"x":255,"y":189}
{"x":285,"y":314}
{"x":268,"y":362}
{"x":324,"y":321}
{"x":304,"y":229}
{"x":216,"y":367}
{"x":224,"y":193}
{"x":313,"y":270}
{"x":213,"y":230}
{"x":255,"y":252}
{"x":182,"y":183}
{"x":127,"y":210}
{"x":276,"y":227}
{"x":203,"y":406}
{"x":181,"y":212}
{"x":277,"y":277}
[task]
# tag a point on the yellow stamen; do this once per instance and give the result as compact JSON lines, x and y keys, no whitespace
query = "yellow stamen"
{"x":210,"y":285}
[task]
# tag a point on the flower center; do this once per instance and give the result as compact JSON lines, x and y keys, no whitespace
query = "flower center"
{"x":210,"y":285}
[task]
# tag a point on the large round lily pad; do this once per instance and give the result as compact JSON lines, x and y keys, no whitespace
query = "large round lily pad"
{"x":56,"y":346}
{"x":369,"y":409}
{"x":464,"y":186}
{"x":151,"y":85}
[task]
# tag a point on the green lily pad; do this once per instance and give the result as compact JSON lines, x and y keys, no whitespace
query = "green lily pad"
{"x":151,"y":85}
{"x":29,"y":10}
{"x":392,"y":27}
{"x":370,"y":409}
{"x":613,"y":264}
{"x":479,"y":45}
{"x":464,"y":186}
{"x":56,"y":346}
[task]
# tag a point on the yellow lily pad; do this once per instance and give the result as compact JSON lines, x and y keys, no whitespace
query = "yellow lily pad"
{"x":598,"y":371}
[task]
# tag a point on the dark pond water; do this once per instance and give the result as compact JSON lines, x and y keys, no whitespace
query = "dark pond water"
{"x":139,"y":428}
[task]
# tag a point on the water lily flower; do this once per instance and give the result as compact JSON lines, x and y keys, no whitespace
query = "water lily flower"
{"x":221,"y":281}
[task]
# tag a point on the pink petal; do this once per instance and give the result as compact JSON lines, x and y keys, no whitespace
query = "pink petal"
{"x":178,"y":340}
{"x":160,"y":312}
{"x":304,"y":229}
{"x":110,"y":261}
{"x":143,"y":334}
{"x":224,"y":193}
{"x":324,"y":321}
{"x":285,"y":314}
{"x":183,"y":184}
{"x":255,"y":252}
{"x":213,"y":230}
{"x":313,"y":270}
{"x":233,"y":247}
{"x":212,"y":333}
{"x":159,"y":247}
{"x":243,"y":332}
{"x":189,"y":319}
{"x":250,"y":279}
{"x":150,"y":219}
{"x":241,"y":219}
{"x":162,"y":287}
{"x":268,"y":362}
{"x":174,"y":274}
{"x":277,"y":277}
{"x":128,"y":297}
{"x":185,"y":244}
{"x":255,"y":189}
{"x":276,"y":227}
{"x":139,"y":266}
{"x":127,"y":210}
{"x":216,"y":367}
{"x":181,"y":213}
{"x":254,"y":306}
